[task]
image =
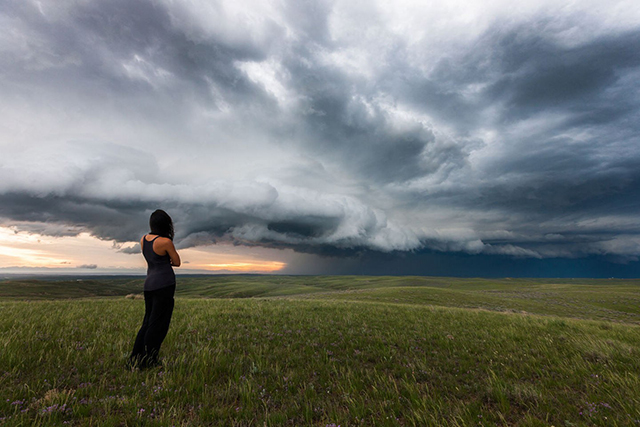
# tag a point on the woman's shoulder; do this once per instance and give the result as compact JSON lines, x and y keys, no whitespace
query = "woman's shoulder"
{"x":156,"y":239}
{"x":149,"y":237}
{"x":163,"y":241}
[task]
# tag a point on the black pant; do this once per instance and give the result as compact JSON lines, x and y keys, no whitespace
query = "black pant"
{"x":157,"y":316}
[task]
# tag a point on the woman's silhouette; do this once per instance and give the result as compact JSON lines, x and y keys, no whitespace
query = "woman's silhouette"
{"x":159,"y":288}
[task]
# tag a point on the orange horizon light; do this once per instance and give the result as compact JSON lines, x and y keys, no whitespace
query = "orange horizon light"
{"x":265,"y":266}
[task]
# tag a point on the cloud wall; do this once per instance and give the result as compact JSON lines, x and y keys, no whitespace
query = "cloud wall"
{"x":327,"y":127}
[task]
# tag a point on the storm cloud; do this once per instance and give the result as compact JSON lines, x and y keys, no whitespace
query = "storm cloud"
{"x":331,"y":128}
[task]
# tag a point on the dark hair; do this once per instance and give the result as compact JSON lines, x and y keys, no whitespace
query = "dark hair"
{"x":161,"y":224}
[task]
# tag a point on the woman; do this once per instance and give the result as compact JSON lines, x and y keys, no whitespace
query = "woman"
{"x":159,"y":288}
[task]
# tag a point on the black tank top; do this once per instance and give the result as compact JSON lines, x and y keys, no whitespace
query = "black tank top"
{"x":159,"y":271}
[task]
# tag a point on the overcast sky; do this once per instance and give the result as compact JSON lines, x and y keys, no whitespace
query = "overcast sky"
{"x":405,"y":137}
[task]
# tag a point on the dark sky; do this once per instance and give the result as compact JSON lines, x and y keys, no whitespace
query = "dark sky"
{"x":467,"y":138}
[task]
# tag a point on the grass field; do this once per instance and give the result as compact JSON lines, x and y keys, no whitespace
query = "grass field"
{"x":325,"y":351}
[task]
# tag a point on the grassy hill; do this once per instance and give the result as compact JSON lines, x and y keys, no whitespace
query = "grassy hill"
{"x":601,"y":299}
{"x":326,"y":351}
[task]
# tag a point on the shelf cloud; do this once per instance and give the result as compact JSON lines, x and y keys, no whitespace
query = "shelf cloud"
{"x":329,"y":128}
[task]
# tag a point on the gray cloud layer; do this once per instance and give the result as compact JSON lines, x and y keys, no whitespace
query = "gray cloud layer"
{"x":323,"y":127}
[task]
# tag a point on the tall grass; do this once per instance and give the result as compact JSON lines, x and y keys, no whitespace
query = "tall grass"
{"x":321,"y":361}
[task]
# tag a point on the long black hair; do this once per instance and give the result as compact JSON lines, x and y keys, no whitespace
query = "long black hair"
{"x":161,"y":224}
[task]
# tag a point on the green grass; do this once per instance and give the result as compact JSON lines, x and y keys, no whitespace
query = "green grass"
{"x":318,"y":351}
{"x":594,"y":299}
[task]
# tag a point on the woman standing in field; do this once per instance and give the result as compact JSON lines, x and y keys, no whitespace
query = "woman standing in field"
{"x":159,"y":288}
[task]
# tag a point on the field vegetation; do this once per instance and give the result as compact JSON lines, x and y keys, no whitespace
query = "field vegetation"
{"x":325,"y":351}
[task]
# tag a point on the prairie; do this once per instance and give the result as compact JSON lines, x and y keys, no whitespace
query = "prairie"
{"x":325,"y":351}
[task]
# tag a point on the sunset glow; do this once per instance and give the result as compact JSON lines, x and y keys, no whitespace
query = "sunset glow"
{"x":234,"y":259}
{"x":28,"y":257}
{"x":84,"y":252}
{"x":32,"y":250}
{"x":267,"y":267}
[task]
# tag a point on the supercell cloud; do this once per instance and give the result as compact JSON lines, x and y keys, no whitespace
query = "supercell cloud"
{"x":328,"y":127}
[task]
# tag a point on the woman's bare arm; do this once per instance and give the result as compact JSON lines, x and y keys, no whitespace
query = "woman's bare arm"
{"x":173,"y":254}
{"x":164,"y":246}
